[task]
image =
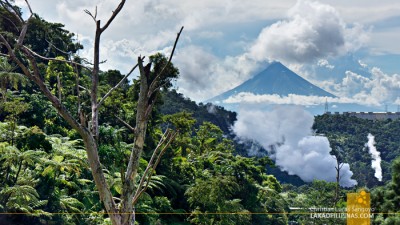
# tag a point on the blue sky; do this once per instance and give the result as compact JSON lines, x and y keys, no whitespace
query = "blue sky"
{"x":227,"y":42}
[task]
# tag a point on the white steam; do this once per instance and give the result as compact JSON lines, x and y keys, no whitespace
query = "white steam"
{"x":211,"y":109}
{"x":376,"y":157}
{"x":286,"y":133}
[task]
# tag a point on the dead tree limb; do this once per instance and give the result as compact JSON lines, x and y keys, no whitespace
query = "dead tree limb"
{"x":153,"y":88}
{"x":167,"y":138}
{"x":119,"y":84}
{"x":126,"y":124}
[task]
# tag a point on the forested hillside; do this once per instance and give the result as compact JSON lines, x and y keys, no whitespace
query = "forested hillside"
{"x":83,"y":146}
{"x":349,"y":135}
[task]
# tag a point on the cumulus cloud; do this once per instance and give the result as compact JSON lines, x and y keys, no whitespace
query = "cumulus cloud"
{"x":362,"y":64}
{"x":122,"y":54}
{"x":286,"y":133}
{"x":311,"y":31}
{"x":204,"y":75}
{"x":380,"y":88}
{"x":195,"y":63}
{"x":352,"y":83}
{"x":291,"y":99}
{"x":149,"y":16}
{"x":325,"y":63}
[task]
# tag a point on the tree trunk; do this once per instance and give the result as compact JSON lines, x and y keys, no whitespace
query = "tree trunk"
{"x":140,"y":134}
{"x":338,"y":167}
{"x":59,"y":87}
{"x":95,"y":83}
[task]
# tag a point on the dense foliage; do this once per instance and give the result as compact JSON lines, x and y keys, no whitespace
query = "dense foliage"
{"x":349,"y":134}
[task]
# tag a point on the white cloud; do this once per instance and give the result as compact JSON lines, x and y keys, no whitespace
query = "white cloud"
{"x":203,"y":75}
{"x":286,"y":133}
{"x":325,"y":63}
{"x":383,"y":41}
{"x":211,"y":34}
{"x":195,"y":65}
{"x":352,"y":84}
{"x":291,"y":99}
{"x":379,"y":89}
{"x":362,"y":64}
{"x":312,"y":31}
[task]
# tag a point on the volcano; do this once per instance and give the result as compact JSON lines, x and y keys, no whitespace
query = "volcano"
{"x":275,"y":79}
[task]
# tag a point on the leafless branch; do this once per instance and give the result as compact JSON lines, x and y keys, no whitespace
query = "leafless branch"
{"x":176,"y":42}
{"x":9,"y":49}
{"x":82,"y":87}
{"x":55,"y":47}
{"x":12,"y":22}
{"x":90,"y":63}
{"x":34,"y":64}
{"x":7,"y":7}
{"x":86,"y":61}
{"x":153,"y":86}
{"x":145,"y":178}
{"x":25,"y":25}
{"x":29,"y":6}
{"x":55,"y":59}
{"x":91,"y":15}
{"x":126,"y":124}
{"x":119,"y":83}
{"x":23,"y":33}
{"x":115,"y":13}
{"x":170,"y":139}
{"x":140,"y":65}
{"x":167,"y":138}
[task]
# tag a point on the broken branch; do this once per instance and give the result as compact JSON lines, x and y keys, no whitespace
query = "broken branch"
{"x":126,"y":124}
{"x":153,"y":85}
{"x":116,"y":86}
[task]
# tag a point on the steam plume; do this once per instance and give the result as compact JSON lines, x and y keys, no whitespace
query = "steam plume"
{"x":286,"y":133}
{"x":376,"y":157}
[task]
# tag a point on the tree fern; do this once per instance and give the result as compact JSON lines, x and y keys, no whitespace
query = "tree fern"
{"x":70,"y":204}
{"x":8,"y":77}
{"x":21,"y":198}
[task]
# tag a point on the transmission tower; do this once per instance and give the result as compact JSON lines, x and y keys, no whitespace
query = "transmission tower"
{"x":326,"y":106}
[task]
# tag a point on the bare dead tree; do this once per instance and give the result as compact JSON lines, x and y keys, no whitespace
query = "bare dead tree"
{"x":338,"y":167}
{"x":122,"y":214}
